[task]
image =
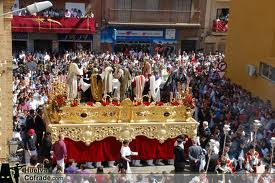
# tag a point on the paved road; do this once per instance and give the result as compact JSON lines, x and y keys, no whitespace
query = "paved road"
{"x":145,"y":169}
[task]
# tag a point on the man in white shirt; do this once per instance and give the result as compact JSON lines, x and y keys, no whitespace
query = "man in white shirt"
{"x":46,"y":13}
{"x":40,"y":101}
{"x":47,"y":57}
{"x":44,"y":97}
{"x":140,"y":54}
{"x":67,"y":13}
{"x":15,"y":8}
{"x":33,"y":103}
{"x":22,"y":56}
{"x":74,"y":12}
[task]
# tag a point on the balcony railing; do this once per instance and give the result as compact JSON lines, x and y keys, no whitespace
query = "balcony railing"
{"x":153,"y":16}
{"x":53,"y":25}
{"x":220,"y":26}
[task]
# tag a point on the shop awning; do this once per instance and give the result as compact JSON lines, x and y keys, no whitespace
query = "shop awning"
{"x":54,"y":25}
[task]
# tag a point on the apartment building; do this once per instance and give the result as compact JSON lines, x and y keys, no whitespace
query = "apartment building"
{"x":216,"y":25}
{"x":153,"y":25}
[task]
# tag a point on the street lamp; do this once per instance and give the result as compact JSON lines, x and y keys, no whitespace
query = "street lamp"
{"x":257,"y":124}
{"x":33,"y":8}
{"x":226,"y":129}
{"x":272,"y":151}
{"x":212,"y":144}
{"x":13,"y":146}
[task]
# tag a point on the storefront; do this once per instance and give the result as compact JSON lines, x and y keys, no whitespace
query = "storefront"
{"x":152,"y":41}
{"x":75,"y":42}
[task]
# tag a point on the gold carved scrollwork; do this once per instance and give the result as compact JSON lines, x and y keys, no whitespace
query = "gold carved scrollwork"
{"x":94,"y":123}
{"x":118,"y":114}
{"x":123,"y":131}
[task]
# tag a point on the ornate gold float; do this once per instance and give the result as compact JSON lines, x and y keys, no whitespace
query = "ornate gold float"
{"x":90,"y":122}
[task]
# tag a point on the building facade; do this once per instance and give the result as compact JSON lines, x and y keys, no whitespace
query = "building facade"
{"x":216,"y":25}
{"x":152,"y":25}
{"x":250,"y":49}
{"x":37,"y":34}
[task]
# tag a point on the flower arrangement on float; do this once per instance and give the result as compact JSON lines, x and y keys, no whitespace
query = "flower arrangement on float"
{"x":90,"y":104}
{"x":74,"y":103}
{"x":58,"y":101}
{"x":187,"y":101}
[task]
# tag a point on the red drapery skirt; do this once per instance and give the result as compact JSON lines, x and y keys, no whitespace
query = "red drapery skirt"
{"x":108,"y":149}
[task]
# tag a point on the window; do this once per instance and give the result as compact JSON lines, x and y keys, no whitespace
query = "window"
{"x":152,"y":5}
{"x":123,"y":4}
{"x":123,"y":14}
{"x":222,"y":14}
{"x":272,"y":74}
{"x":182,"y":5}
{"x":267,"y":71}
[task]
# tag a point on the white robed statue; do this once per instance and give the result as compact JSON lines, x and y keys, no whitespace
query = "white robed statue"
{"x":107,"y":77}
{"x":155,"y":88}
{"x":74,"y":71}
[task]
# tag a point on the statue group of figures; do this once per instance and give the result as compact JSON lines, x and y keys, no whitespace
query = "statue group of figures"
{"x":94,"y":83}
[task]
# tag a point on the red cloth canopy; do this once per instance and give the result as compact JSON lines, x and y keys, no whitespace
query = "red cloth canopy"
{"x":108,"y":149}
{"x":56,"y":25}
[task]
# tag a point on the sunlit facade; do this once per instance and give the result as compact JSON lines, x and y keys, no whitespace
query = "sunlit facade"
{"x":250,"y":49}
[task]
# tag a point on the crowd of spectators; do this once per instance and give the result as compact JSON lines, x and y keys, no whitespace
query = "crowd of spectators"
{"x":218,"y":101}
{"x":54,"y":13}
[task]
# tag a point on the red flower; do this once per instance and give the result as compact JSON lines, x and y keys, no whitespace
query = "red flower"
{"x":137,"y":103}
{"x":105,"y":103}
{"x":146,"y":103}
{"x":60,"y":100}
{"x":159,"y":103}
{"x":73,"y":104}
{"x":116,"y":103}
{"x":175,"y":103}
{"x":90,"y":103}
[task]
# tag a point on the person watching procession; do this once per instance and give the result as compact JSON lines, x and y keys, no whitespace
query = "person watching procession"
{"x":59,"y":151}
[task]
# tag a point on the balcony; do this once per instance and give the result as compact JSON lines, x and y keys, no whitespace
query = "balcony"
{"x":153,"y":17}
{"x":53,"y":25}
{"x":220,"y":27}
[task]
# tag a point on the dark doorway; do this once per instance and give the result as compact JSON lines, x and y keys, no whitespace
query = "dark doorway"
{"x":188,"y":45}
{"x":19,"y":45}
{"x":43,"y":45}
{"x":66,"y":46}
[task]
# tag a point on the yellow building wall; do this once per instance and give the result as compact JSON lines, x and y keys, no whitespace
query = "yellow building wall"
{"x":251,"y":40}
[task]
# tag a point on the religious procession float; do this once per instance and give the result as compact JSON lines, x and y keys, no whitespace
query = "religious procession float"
{"x":94,"y":131}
